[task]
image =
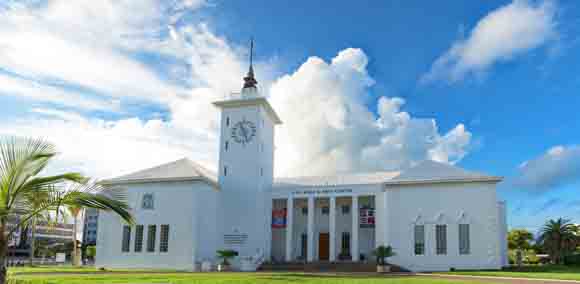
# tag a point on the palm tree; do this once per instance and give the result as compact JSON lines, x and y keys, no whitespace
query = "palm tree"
{"x":21,"y":162}
{"x":36,"y":200}
{"x":558,"y":238}
{"x":75,"y":211}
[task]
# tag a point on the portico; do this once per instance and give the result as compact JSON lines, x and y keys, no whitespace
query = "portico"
{"x":323,"y":225}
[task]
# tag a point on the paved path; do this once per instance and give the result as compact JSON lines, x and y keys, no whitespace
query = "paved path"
{"x":495,"y":279}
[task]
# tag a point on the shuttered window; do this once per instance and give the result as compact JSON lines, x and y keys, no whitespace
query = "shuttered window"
{"x":126,"y":239}
{"x":151,"y":233}
{"x":164,"y":239}
{"x":419,"y":239}
{"x":138,"y":238}
{"x":441,"y":238}
{"x":464,"y":245}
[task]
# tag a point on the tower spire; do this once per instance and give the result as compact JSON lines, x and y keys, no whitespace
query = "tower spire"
{"x":249,"y":80}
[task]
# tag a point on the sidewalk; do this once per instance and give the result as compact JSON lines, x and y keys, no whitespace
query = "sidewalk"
{"x":496,"y":279}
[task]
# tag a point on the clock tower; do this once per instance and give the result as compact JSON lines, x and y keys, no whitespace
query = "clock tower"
{"x":246,"y":165}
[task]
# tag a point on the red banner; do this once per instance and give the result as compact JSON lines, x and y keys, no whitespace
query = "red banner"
{"x":279,"y":218}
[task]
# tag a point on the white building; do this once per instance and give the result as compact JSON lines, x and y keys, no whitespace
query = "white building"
{"x":435,"y":216}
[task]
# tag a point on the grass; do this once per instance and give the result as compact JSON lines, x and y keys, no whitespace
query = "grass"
{"x":559,"y":272}
{"x":69,"y":275}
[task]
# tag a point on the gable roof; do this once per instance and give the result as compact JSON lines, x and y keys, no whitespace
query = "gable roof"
{"x":429,"y":171}
{"x":180,"y":170}
{"x":425,"y":172}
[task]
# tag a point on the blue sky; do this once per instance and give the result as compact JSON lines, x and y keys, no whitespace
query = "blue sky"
{"x":491,"y":86}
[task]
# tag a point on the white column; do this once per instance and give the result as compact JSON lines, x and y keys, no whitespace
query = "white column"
{"x":332,"y":229}
{"x":354,"y":238}
{"x":310,"y":238}
{"x":289,"y":223}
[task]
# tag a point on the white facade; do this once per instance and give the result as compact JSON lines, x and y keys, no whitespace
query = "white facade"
{"x":204,"y":212}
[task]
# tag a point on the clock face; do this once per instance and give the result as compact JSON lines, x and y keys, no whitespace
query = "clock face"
{"x":243,"y":131}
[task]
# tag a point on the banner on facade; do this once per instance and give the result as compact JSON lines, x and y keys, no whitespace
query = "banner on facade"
{"x":279,"y":218}
{"x":367,"y":217}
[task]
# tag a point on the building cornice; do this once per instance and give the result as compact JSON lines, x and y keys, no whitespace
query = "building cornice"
{"x":491,"y":179}
{"x":259,"y":101}
{"x":213,"y":184}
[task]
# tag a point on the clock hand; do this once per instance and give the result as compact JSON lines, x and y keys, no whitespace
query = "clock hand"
{"x":244,"y":132}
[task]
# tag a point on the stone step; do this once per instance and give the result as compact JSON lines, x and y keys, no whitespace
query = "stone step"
{"x":326,"y":267}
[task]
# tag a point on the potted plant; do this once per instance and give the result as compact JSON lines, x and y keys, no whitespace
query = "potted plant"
{"x":225,"y":255}
{"x":382,"y":253}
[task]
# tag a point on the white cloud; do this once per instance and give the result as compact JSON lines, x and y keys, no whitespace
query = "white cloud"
{"x":107,"y":148}
{"x":558,"y":166}
{"x":502,"y":35}
{"x":44,"y":93}
{"x":327,"y":125}
{"x":89,"y":44}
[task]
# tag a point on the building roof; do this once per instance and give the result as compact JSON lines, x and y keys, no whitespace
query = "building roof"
{"x":180,"y":170}
{"x":435,"y":172}
{"x":425,"y":172}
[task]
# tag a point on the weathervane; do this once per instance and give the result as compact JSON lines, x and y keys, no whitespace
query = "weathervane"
{"x":249,"y":80}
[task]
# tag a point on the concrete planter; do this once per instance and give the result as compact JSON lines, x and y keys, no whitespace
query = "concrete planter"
{"x":383,"y":268}
{"x":224,"y":267}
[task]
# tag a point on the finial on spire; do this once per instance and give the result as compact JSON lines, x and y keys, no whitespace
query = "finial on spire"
{"x":249,"y":80}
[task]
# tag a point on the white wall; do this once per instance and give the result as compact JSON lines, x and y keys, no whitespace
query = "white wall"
{"x":245,"y":200}
{"x":176,"y":204}
{"x":447,"y":201}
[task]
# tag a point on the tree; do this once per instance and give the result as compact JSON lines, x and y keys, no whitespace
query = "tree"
{"x":382,"y":253}
{"x":75,"y":211}
{"x":36,"y":201}
{"x":21,"y":162}
{"x":91,"y":252}
{"x":558,"y":237}
{"x":519,"y":241}
{"x":227,"y":254}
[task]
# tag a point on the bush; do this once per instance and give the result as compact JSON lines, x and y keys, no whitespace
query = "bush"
{"x":573,"y":259}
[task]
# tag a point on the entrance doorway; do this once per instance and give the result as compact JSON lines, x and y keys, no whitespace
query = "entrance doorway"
{"x":323,"y":246}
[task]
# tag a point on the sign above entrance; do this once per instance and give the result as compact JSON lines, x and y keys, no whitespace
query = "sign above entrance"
{"x":323,"y":191}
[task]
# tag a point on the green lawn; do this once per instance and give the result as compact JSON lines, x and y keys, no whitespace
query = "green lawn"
{"x":68,"y":275}
{"x":537,"y":271}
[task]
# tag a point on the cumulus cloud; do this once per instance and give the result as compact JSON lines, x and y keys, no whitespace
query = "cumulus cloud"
{"x":328,"y":128}
{"x":558,"y":166}
{"x":327,"y":125}
{"x":502,"y":35}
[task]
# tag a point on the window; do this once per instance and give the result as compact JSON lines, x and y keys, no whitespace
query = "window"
{"x":304,"y":210}
{"x":325,"y":210}
{"x":227,"y":145}
{"x":419,"y":239}
{"x":228,"y":121}
{"x":151,"y":232}
{"x":261,"y":171}
{"x":345,"y":243}
{"x":441,"y":238}
{"x":164,"y":239}
{"x":464,"y":239}
{"x":126,"y":239}
{"x":138,"y":238}
{"x":304,"y":243}
{"x":225,"y":170}
{"x":148,"y":202}
{"x":345,"y":209}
